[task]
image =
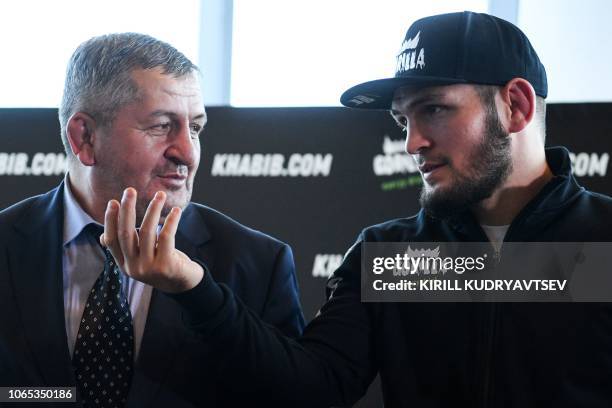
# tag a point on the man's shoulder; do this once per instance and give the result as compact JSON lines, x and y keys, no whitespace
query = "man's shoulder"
{"x":19,"y":211}
{"x":598,"y":199}
{"x":591,"y":213}
{"x":590,"y":205}
{"x":398,"y":229}
{"x":20,"y":216}
{"x":222,"y":226}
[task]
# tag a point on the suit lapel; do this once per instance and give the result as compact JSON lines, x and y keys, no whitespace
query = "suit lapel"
{"x":35,"y":261}
{"x":193,"y":237}
{"x":36,"y":269}
{"x":164,"y":332}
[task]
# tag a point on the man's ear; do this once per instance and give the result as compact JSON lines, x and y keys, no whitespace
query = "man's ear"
{"x":519,"y":100}
{"x":81,"y":130}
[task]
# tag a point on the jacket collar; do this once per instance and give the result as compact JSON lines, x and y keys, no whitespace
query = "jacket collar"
{"x":192,"y":227}
{"x":45,"y":210}
{"x":36,"y":253}
{"x":48,"y":209}
{"x":558,"y":193}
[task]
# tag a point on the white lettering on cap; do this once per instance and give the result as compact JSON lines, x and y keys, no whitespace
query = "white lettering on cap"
{"x":410,"y":57}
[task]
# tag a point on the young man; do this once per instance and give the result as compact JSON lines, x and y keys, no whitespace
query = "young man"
{"x":131,"y":116}
{"x":469,"y":91}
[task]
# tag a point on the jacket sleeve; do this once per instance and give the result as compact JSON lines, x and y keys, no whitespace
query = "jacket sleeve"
{"x":282,"y":308}
{"x":331,"y":364}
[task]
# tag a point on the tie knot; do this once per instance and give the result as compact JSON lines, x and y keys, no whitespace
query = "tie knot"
{"x":94,"y":231}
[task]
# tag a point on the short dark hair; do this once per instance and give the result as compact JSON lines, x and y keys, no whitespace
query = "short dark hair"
{"x":487,"y":98}
{"x":98,"y":76}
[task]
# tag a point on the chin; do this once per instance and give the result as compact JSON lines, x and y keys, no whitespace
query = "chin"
{"x":434,"y":189}
{"x":177,"y":199}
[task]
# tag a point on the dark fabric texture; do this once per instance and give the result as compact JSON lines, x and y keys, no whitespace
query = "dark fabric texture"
{"x":434,"y":354}
{"x":174,"y":368}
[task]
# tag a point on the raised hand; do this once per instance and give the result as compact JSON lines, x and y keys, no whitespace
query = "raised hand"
{"x":144,"y":255}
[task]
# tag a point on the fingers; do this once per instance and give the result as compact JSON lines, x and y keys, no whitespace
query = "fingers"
{"x":109,"y":238}
{"x":126,"y":227}
{"x":136,"y":252}
{"x":165,"y":242}
{"x":148,"y":230}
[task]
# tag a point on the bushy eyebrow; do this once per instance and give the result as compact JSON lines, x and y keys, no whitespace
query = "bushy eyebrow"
{"x":419,"y":100}
{"x":201,"y":116}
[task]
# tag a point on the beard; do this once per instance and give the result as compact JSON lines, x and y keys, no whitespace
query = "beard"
{"x":491,"y":163}
{"x":172,"y":200}
{"x":113,"y":178}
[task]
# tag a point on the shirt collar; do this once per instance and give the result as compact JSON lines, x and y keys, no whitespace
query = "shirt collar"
{"x":75,"y":218}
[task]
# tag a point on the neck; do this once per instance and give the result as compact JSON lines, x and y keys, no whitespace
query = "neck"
{"x":86,"y":197}
{"x":524,"y":183}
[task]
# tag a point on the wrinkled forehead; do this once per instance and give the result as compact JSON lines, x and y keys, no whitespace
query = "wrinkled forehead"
{"x":159,"y":94}
{"x":155,"y":84}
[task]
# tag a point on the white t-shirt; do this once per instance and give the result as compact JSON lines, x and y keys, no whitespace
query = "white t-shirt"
{"x":496,"y":234}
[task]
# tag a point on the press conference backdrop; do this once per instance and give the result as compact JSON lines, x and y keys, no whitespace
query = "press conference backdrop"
{"x":313,"y":177}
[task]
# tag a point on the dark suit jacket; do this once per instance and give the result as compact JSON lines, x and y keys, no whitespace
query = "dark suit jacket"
{"x":174,"y":368}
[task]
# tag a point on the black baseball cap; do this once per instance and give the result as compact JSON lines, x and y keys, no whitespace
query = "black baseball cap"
{"x":455,"y":48}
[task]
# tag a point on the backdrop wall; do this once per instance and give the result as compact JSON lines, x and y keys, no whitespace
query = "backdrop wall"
{"x":313,"y":177}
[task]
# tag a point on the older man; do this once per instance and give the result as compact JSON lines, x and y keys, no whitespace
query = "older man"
{"x":469,"y":92}
{"x":131,"y":118}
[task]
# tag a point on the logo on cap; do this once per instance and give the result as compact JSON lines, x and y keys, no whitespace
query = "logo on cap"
{"x":410,"y":57}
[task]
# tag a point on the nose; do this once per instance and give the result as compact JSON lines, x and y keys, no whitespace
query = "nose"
{"x":183,"y":149}
{"x":416,"y":140}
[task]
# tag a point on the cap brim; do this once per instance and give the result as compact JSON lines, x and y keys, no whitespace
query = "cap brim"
{"x":378,"y":94}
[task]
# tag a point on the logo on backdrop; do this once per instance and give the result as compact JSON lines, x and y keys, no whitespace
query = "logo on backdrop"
{"x":410,"y":57}
{"x":39,"y":164}
{"x":271,"y":165}
{"x":589,"y":164}
{"x":395,"y":161}
{"x":325,"y":264}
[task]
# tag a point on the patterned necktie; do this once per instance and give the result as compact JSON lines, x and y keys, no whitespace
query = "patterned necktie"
{"x":103,"y":353}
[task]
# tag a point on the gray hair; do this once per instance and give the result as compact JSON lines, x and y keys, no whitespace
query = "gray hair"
{"x":98,"y":77}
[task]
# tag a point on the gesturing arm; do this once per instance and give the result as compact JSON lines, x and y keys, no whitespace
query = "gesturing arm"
{"x":331,"y":364}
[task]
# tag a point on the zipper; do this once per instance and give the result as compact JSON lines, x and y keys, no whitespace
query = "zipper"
{"x":493,"y":318}
{"x":488,"y":363}
{"x":489,"y":341}
{"x":518,"y":221}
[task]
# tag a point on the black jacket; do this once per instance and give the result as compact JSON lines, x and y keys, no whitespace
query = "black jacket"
{"x":172,"y":369}
{"x":433,"y":354}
